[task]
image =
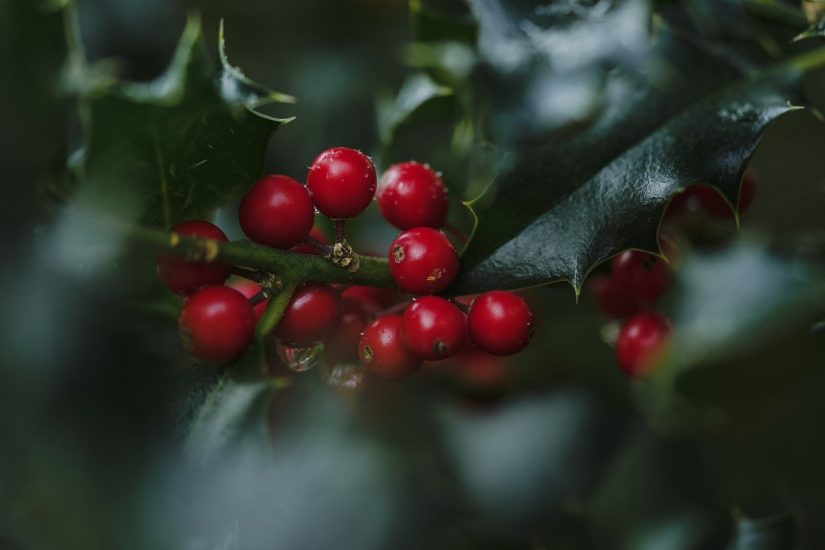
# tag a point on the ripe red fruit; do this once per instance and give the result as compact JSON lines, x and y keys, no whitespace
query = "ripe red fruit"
{"x":423,"y":261}
{"x":316,"y":234}
{"x":216,"y":324}
{"x":433,"y":328}
{"x":342,"y":346}
{"x":250,"y":290}
{"x":500,"y":323}
{"x":614,"y":300}
{"x":382,"y":349}
{"x":644,"y":276}
{"x":640,"y":342}
{"x":277,"y":212}
{"x":412,"y":195}
{"x":184,"y":278}
{"x":312,"y":314}
{"x":341,"y":182}
{"x":372,"y":298}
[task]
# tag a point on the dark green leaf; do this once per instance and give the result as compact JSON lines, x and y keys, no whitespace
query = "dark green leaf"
{"x":815,"y":30}
{"x":771,"y":533}
{"x":180,"y":146}
{"x":564,"y":207}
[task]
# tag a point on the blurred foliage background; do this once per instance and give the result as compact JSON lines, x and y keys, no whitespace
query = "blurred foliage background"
{"x":722,"y":450}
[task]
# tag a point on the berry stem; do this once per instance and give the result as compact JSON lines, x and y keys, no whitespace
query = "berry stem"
{"x":289,"y":266}
{"x":249,"y":274}
{"x":324,"y":249}
{"x":258,"y":298}
{"x":340,"y":231}
{"x":277,"y":306}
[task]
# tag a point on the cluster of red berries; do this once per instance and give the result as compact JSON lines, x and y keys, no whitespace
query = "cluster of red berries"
{"x":217,"y":322}
{"x":637,"y":280}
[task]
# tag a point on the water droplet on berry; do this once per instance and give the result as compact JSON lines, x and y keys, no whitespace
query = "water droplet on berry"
{"x":301,"y":359}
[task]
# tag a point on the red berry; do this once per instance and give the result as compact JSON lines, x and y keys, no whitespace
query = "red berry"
{"x":433,"y":328}
{"x":481,"y":370}
{"x":614,"y":300}
{"x":412,"y":195}
{"x":423,"y":261}
{"x":342,"y":182}
{"x":500,"y":323}
{"x":640,"y":342}
{"x":382,"y":350}
{"x":312,"y":314}
{"x":316,"y":234}
{"x":644,"y":276}
{"x":373,"y":299}
{"x":342,"y":346}
{"x":183,"y":277}
{"x":216,"y":324}
{"x":250,"y":290}
{"x":277,"y":212}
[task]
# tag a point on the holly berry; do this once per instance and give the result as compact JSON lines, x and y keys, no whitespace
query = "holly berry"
{"x":250,"y":290}
{"x":500,"y":323}
{"x":312,"y":314}
{"x":277,"y":212}
{"x":412,"y":195}
{"x":342,"y":182}
{"x":342,"y":346}
{"x":640,"y":342}
{"x":423,"y":261}
{"x":316,"y":234}
{"x":644,"y":276}
{"x":216,"y":324}
{"x":184,"y":278}
{"x":614,"y":300}
{"x":372,"y":298}
{"x":434,"y":328}
{"x":382,"y":349}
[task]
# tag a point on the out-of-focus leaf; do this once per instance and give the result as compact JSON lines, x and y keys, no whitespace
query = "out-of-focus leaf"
{"x":817,"y":30}
{"x":177,"y":147}
{"x":776,"y":532}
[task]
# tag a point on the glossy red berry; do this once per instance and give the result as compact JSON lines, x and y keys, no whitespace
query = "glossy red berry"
{"x":640,"y":343}
{"x":216,"y":324}
{"x":277,"y":212}
{"x":644,"y":276}
{"x":500,"y":323}
{"x":342,"y":345}
{"x":250,"y":290}
{"x":434,"y":328}
{"x":382,"y":349}
{"x":342,"y":182}
{"x":614,"y":300}
{"x":316,"y":234}
{"x":412,"y":195}
{"x":423,"y":261}
{"x":183,"y":277}
{"x":373,"y":299}
{"x":312,"y":314}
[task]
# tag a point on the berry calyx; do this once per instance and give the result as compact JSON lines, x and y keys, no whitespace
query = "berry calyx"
{"x":277,"y":212}
{"x":382,"y":349}
{"x":640,"y":343}
{"x":500,"y":323}
{"x":184,"y":278}
{"x":312,"y":314}
{"x":614,"y":300}
{"x":250,"y":290}
{"x":423,"y":261}
{"x":342,"y":346}
{"x":341,"y":182}
{"x":412,"y":195}
{"x":433,"y":328}
{"x":216,"y":324}
{"x":644,"y":276}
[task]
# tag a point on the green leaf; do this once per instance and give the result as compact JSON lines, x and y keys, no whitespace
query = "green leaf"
{"x":563,"y":207}
{"x":177,"y":147}
{"x":776,"y":532}
{"x":814,"y":31}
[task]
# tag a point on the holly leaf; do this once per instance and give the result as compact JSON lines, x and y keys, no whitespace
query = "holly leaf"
{"x":563,"y":207}
{"x":177,"y":147}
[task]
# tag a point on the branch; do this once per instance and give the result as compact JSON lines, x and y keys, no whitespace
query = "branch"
{"x":288,"y":266}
